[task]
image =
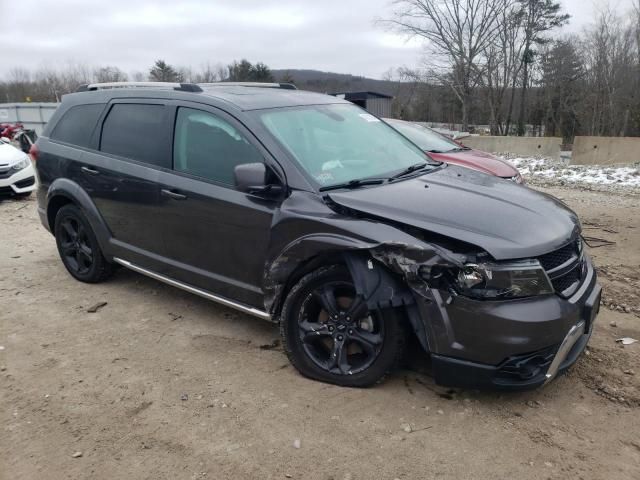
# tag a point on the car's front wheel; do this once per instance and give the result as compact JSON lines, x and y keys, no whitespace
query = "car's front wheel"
{"x":78,"y":246}
{"x":331,"y":335}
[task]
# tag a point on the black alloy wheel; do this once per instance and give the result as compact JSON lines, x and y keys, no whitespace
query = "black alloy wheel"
{"x":74,"y":246}
{"x":78,"y":246}
{"x":330,"y":333}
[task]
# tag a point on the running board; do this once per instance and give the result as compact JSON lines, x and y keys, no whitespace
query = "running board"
{"x":203,"y":293}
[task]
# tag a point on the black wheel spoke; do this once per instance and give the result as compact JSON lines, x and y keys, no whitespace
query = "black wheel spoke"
{"x":68,"y":249}
{"x":327,"y":299}
{"x":69,"y":230}
{"x":313,"y":330}
{"x":86,"y":252}
{"x":369,"y":341}
{"x":338,"y":357}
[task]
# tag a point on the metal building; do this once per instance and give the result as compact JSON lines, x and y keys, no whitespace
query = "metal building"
{"x":377,"y":103}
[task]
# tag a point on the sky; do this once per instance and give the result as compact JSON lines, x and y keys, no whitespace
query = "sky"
{"x":330,"y":35}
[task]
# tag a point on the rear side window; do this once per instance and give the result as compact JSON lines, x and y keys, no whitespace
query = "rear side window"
{"x":137,"y":131}
{"x":77,"y":124}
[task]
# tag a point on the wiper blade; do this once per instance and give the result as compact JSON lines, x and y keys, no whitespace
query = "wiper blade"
{"x":353,"y":184}
{"x":410,"y":169}
{"x":459,"y":149}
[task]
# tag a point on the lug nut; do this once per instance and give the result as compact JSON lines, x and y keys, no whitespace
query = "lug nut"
{"x":339,"y":337}
{"x":330,"y":328}
{"x":350,"y":331}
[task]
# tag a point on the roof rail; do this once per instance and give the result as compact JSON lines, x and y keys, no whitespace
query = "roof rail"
{"x":185,"y":87}
{"x":284,"y":86}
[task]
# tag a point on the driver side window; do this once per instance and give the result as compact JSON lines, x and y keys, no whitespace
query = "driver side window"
{"x":209,"y":147}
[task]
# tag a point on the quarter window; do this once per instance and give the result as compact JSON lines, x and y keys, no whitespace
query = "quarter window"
{"x":209,"y":147}
{"x":138,"y":132}
{"x":77,"y":124}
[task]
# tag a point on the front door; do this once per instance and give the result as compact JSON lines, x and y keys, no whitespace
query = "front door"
{"x":216,"y":237}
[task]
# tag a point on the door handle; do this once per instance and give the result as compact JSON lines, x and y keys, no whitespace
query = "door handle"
{"x":90,"y":171}
{"x":174,"y":195}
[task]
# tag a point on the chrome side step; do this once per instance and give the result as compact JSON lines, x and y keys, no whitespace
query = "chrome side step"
{"x":203,"y":293}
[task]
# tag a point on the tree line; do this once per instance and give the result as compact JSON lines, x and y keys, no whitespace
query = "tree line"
{"x":47,"y":84}
{"x":506,"y":63}
{"x":501,"y":63}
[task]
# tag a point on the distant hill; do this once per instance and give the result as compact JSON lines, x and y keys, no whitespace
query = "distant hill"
{"x":329,"y":82}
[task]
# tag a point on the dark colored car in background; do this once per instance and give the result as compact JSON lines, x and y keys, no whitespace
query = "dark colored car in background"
{"x":306,"y":210}
{"x":443,"y":149}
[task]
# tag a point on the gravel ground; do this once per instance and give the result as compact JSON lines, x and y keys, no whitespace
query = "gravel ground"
{"x":160,"y":384}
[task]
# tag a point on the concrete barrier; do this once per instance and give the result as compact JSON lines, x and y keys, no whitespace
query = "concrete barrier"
{"x":526,"y":146}
{"x":605,"y":150}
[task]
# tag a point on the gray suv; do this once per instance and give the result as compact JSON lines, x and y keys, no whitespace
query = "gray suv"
{"x":306,"y":210}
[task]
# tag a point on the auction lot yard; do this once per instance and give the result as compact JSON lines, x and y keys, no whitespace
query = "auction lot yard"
{"x":161,"y":384}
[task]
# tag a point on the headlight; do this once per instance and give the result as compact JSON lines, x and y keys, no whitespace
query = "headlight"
{"x":517,"y":178}
{"x":24,"y":163}
{"x":523,"y":278}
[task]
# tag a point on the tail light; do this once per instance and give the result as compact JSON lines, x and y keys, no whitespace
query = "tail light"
{"x":34,"y":152}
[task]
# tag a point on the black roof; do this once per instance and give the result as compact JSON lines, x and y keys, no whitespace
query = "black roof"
{"x":360,"y":95}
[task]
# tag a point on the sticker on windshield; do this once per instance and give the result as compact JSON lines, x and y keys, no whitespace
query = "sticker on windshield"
{"x":368,"y":117}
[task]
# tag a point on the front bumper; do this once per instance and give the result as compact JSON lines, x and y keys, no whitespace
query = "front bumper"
{"x":516,"y":344}
{"x":23,"y":181}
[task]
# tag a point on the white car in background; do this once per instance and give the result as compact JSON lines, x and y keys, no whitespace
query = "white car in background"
{"x":17,"y":176}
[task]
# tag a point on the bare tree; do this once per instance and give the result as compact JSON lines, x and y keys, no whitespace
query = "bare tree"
{"x":503,"y":67}
{"x":540,"y":16}
{"x":458,"y":32}
{"x":109,"y":74}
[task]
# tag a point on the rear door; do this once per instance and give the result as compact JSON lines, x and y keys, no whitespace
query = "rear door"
{"x":122,"y":178}
{"x":216,"y":236}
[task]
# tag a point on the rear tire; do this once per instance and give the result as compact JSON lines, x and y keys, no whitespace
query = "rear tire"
{"x":78,"y":246}
{"x":329,"y":334}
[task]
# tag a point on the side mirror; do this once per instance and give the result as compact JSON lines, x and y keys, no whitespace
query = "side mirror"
{"x":253,"y":178}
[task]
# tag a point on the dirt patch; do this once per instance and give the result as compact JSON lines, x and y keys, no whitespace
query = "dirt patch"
{"x":161,"y":384}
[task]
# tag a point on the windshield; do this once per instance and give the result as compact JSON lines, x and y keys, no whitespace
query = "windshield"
{"x":424,"y":137}
{"x":341,"y":143}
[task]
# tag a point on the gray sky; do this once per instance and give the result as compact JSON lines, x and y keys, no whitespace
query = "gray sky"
{"x":329,"y":35}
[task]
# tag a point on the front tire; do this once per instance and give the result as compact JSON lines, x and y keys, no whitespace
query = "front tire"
{"x":78,"y":246}
{"x":329,"y":333}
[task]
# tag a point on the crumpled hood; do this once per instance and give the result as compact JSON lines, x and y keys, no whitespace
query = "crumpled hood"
{"x":509,"y":221}
{"x":482,"y":161}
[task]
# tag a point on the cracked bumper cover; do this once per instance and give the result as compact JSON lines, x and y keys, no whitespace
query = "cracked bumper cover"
{"x":515,"y":344}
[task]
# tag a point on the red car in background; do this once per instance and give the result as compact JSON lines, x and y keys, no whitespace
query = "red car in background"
{"x":443,"y":149}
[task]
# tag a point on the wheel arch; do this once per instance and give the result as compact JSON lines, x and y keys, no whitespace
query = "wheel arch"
{"x":64,"y":192}
{"x":373,"y":280}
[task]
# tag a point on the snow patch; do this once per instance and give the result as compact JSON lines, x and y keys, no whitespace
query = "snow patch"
{"x":536,"y":168}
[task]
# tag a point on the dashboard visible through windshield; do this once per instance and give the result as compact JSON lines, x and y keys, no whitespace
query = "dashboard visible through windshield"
{"x":340,"y":143}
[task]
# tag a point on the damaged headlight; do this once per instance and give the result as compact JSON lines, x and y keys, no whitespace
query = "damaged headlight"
{"x":523,"y":278}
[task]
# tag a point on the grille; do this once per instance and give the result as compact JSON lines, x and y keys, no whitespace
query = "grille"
{"x":4,"y":191}
{"x":565,"y":280}
{"x":6,"y":172}
{"x":556,"y":258}
{"x":560,"y":284}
